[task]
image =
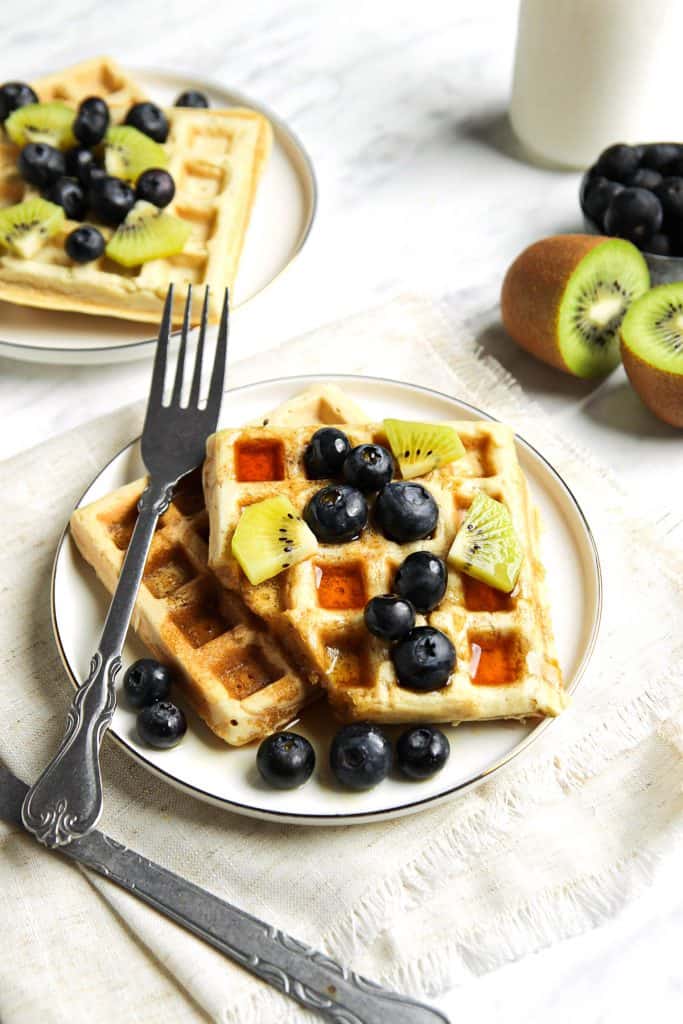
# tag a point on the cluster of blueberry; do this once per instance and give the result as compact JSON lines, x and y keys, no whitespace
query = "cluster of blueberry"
{"x":404,"y":511}
{"x":147,"y":684}
{"x":636,"y":192}
{"x":77,"y":181}
{"x":361,"y":756}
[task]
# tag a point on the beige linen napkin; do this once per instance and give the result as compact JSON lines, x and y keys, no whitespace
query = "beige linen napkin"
{"x":556,"y":844}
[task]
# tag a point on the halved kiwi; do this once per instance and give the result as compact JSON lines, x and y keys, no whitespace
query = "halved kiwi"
{"x":25,"y":227}
{"x":147,"y":234}
{"x":128,"y":153}
{"x":486,"y":546}
{"x":421,"y":447}
{"x":270,"y":537}
{"x":652,"y":350}
{"x":563,"y":300}
{"x":42,"y":122}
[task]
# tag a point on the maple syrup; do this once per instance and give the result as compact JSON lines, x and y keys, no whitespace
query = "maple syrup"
{"x":340,"y":587}
{"x":259,"y":460}
{"x":480,"y":597}
{"x":494,"y":661}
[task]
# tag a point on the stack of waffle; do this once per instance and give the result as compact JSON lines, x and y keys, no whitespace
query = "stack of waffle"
{"x":215,"y":157}
{"x":252,"y":656}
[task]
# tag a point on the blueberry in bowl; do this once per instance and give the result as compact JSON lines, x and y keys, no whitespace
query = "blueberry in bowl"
{"x":636,"y":193}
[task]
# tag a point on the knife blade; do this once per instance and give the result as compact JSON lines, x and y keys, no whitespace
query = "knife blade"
{"x":304,"y":974}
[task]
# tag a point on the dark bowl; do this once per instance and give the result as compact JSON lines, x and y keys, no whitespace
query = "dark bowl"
{"x":663,"y":269}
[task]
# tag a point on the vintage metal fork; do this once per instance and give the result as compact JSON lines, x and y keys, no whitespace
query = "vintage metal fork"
{"x":66,"y":801}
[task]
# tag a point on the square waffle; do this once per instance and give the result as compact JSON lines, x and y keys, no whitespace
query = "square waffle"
{"x":215,"y":157}
{"x":231,"y":670}
{"x":506,"y":663}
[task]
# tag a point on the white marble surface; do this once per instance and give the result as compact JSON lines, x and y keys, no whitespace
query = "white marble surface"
{"x":402,"y":107}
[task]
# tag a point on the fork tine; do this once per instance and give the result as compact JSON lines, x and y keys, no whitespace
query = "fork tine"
{"x":180,"y":368}
{"x":197,"y":376}
{"x":213,"y":402}
{"x":156,"y":391}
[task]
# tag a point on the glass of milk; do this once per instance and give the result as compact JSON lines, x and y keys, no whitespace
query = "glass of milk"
{"x":592,"y":72}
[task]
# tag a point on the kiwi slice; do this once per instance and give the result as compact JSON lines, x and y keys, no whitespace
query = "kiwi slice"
{"x":42,"y":122}
{"x":563,"y":300}
{"x":270,"y":537}
{"x":421,"y":447}
{"x":652,"y":350}
{"x":127,"y":153}
{"x":147,"y":234}
{"x":25,"y":227}
{"x":486,"y":546}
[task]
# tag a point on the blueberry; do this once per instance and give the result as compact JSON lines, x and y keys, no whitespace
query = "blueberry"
{"x":67,"y":193}
{"x":617,"y":162}
{"x":389,"y":617}
{"x":596,"y":195}
{"x":659,"y":245}
{"x":424,"y":659}
{"x":14,"y":95}
{"x":325,"y":453}
{"x":162,"y":725}
{"x":79,"y":163}
{"x":422,"y":579}
{"x":674,"y":169}
{"x":406,"y":511}
{"x":422,"y":751}
{"x":360,"y":756}
{"x":146,"y":681}
{"x":285,"y":760}
{"x":92,"y":121}
{"x":658,"y":154}
{"x":635,"y":214}
{"x":84,"y":244}
{"x":111,"y":199}
{"x":41,"y":164}
{"x":670,"y":195}
{"x":645,"y":177}
{"x":191,"y":98}
{"x":337,"y":513}
{"x":155,"y":186}
{"x":149,"y":119}
{"x":368,"y":467}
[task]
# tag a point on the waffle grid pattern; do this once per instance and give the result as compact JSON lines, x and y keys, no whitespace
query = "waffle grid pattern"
{"x":215,"y":157}
{"x":493,"y":634}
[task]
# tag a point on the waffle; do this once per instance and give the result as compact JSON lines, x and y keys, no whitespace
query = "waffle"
{"x":506,"y":663}
{"x":100,"y":76}
{"x":215,"y":157}
{"x":232,"y":672}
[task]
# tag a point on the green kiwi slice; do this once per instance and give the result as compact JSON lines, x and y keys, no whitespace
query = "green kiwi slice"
{"x":128,"y":152}
{"x":147,"y":234}
{"x":25,"y":227}
{"x":42,"y":122}
{"x":270,"y":537}
{"x":421,"y":447}
{"x":595,"y":300}
{"x":653,"y":328}
{"x":486,"y":546}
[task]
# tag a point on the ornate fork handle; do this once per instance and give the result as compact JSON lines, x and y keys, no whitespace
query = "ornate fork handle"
{"x":66,"y":800}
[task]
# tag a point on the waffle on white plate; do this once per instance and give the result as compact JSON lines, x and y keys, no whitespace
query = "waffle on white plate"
{"x":506,"y":662}
{"x":215,"y":157}
{"x":232,"y":671}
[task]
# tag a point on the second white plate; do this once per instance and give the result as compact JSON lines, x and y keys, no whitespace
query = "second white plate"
{"x":207,"y":768}
{"x":280,"y":223}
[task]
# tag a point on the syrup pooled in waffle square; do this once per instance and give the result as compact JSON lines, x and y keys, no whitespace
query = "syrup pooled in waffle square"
{"x":215,"y":157}
{"x":230,"y":668}
{"x":506,"y":664}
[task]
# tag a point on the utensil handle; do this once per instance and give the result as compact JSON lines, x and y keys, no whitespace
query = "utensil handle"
{"x":66,"y":800}
{"x":304,"y":974}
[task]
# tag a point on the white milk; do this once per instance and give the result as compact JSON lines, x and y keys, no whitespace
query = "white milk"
{"x":592,"y":72}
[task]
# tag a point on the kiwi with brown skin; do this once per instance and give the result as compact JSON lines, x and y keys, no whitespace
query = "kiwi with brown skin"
{"x":564,"y":297}
{"x":652,"y":350}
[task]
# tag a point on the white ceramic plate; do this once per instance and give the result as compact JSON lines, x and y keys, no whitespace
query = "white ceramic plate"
{"x":280,"y":223}
{"x":209,"y":769}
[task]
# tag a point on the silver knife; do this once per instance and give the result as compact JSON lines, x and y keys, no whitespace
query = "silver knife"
{"x":298,"y":971}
